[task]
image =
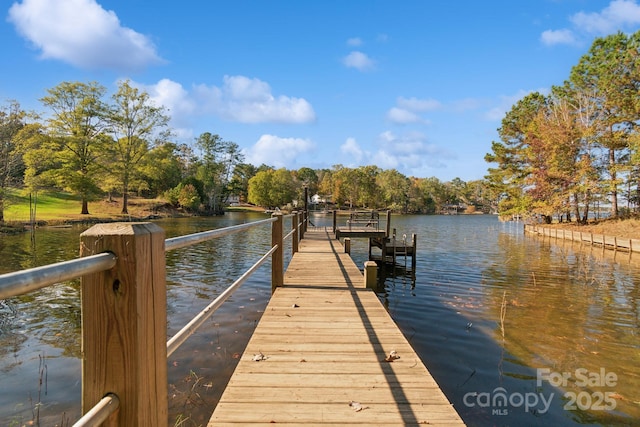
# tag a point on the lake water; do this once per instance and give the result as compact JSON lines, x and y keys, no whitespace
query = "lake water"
{"x":517,"y":330}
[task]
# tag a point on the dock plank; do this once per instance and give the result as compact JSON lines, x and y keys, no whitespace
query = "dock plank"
{"x":324,"y":340}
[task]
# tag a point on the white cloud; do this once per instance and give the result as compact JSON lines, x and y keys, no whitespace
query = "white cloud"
{"x":179,"y":103}
{"x":402,"y":116}
{"x":415,"y":104}
{"x":551,"y":37}
{"x":82,"y":33}
{"x":358,"y":60}
{"x":618,"y":15}
{"x":352,"y":150}
{"x":239,"y":99}
{"x":276,"y":151}
{"x":410,"y":153}
{"x":172,"y":96}
{"x":355,"y":41}
{"x":246,"y":100}
{"x":407,"y":110}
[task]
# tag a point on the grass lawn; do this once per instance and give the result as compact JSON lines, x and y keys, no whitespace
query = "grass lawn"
{"x":60,"y":206}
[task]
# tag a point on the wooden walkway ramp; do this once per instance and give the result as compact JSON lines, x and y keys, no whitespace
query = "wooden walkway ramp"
{"x":317,"y":357}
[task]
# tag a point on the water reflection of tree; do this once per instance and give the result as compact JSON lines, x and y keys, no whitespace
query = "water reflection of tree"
{"x":569,"y":307}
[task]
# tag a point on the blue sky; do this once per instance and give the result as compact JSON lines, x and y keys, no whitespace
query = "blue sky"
{"x":420,"y":86}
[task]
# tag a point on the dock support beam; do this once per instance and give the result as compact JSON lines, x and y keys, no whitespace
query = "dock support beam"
{"x":305,"y":222}
{"x":347,"y":245}
{"x":124,"y":324}
{"x":371,"y":274}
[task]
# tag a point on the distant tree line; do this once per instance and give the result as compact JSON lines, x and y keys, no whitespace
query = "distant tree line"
{"x":562,"y":153}
{"x":367,"y":187}
{"x":94,"y":147}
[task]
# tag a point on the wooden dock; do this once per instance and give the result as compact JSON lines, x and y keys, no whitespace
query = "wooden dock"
{"x":392,"y":248}
{"x":320,"y":354}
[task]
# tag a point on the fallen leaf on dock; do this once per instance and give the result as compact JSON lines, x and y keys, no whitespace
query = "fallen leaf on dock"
{"x":259,"y":357}
{"x":356,"y":406}
{"x":393,"y":355}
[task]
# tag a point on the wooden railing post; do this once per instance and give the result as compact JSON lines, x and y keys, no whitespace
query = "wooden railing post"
{"x":277,"y":259}
{"x":301,"y":224}
{"x":304,"y":218}
{"x":295,"y":222}
{"x":124,"y":324}
{"x":347,"y":245}
{"x":371,"y":274}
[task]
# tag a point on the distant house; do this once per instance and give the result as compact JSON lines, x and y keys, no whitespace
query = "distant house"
{"x":316,"y":201}
{"x":453,"y":209}
{"x":233,"y":199}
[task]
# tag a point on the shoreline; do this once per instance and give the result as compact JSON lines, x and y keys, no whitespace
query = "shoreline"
{"x":604,"y":241}
{"x":623,"y":228}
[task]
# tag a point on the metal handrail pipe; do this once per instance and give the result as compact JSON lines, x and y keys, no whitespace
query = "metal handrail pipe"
{"x":24,"y":281}
{"x":203,"y":236}
{"x":190,"y":328}
{"x":99,"y":413}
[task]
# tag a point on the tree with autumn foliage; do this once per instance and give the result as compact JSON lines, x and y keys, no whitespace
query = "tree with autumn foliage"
{"x":549,"y":160}
{"x":610,"y":74}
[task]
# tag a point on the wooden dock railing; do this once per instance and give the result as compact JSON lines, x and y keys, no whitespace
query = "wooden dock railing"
{"x":124,"y":323}
{"x":363,"y":219}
